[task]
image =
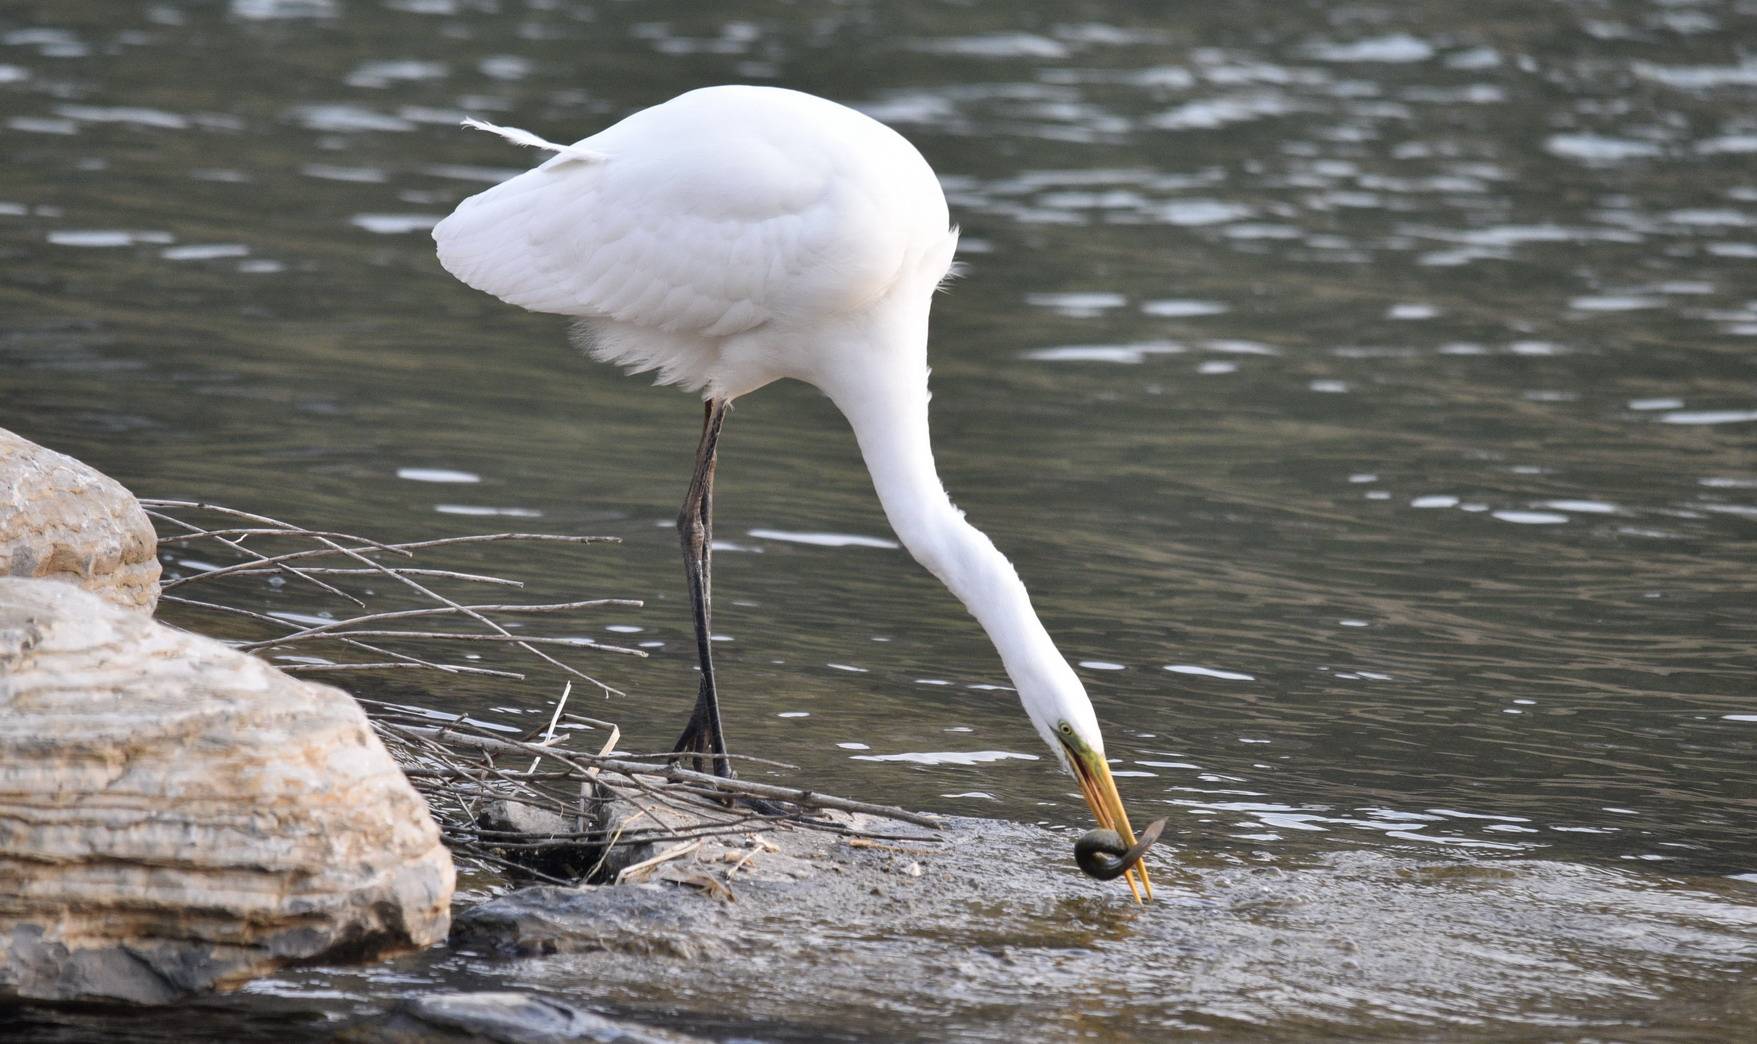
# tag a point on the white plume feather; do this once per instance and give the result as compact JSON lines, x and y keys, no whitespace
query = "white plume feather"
{"x":526,"y":138}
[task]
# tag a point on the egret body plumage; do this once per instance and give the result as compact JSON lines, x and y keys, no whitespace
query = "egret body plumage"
{"x":734,"y":236}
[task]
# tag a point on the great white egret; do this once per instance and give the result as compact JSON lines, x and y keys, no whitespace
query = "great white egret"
{"x":733,"y":236}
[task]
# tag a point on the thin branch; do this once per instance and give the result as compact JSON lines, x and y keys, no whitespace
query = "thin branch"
{"x":444,"y":636}
{"x":439,"y":574}
{"x":404,"y":614}
{"x":719,"y":784}
{"x":241,"y":549}
{"x":232,"y":536}
{"x":478,"y":617}
{"x":324,"y":552}
{"x":448,"y":668}
{"x":404,"y":659}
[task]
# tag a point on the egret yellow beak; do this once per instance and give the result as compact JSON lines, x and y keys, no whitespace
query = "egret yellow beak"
{"x":1107,"y":807}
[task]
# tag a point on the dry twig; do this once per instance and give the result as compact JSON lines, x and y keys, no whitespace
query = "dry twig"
{"x":355,"y":631}
{"x":450,"y":758}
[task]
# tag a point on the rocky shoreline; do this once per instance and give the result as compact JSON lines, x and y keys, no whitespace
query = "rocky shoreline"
{"x":178,"y":817}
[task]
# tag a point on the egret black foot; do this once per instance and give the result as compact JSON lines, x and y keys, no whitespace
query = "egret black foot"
{"x":701,"y":749}
{"x":698,"y":751}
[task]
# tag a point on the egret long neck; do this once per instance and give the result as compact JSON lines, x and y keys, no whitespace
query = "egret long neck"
{"x":887,"y":407}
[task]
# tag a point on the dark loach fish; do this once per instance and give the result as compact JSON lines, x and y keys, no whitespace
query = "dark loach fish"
{"x":1102,"y":854}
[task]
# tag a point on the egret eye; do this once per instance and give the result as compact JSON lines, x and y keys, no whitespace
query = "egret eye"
{"x":1067,"y":730}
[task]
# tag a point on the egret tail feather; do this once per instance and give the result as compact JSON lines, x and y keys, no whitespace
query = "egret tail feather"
{"x":526,"y":138}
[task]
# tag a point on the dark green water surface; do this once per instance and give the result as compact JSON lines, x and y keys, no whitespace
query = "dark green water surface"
{"x":1365,"y":392}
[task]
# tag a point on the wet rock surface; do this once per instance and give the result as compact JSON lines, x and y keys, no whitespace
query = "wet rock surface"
{"x":692,"y":906}
{"x":642,"y":920}
{"x":502,"y":1018}
{"x":62,"y":519}
{"x":177,"y":816}
{"x":837,"y":938}
{"x":998,"y":938}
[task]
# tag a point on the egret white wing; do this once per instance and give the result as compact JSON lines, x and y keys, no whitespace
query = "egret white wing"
{"x":694,"y":221}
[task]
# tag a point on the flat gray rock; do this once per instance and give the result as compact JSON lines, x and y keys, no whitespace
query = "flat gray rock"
{"x":639,"y":921}
{"x":501,"y":1017}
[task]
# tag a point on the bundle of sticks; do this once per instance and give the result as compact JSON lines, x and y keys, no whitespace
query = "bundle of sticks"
{"x":523,"y":802}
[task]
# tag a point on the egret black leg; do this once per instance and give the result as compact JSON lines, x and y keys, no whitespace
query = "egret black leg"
{"x":703,"y":739}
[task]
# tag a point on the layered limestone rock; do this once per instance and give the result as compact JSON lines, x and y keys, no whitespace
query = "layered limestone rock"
{"x":177,"y":816}
{"x":62,"y":519}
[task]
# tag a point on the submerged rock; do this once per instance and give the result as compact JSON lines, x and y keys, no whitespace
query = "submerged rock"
{"x":62,"y":519}
{"x":696,"y":900}
{"x":640,"y":920}
{"x":512,"y":1018}
{"x":176,"y":816}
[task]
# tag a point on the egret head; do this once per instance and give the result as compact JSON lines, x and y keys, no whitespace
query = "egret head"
{"x":1067,"y":724}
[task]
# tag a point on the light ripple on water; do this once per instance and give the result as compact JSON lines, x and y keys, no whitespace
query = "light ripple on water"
{"x":482,"y":511}
{"x":1709,"y":417}
{"x":384,"y":72}
{"x":437,"y":475}
{"x":1126,"y":354}
{"x":327,"y":172}
{"x":274,"y":10}
{"x":395,"y":224}
{"x":204,"y":252}
{"x":950,"y":757}
{"x":1700,"y":77}
{"x":1215,"y":113}
{"x":994,"y":45}
{"x":1599,"y":148}
{"x":1614,"y":303}
{"x":1180,"y":309}
{"x":1078,"y":304}
{"x":1395,"y":48}
{"x":139,"y":117}
{"x":1210,"y":672}
{"x":459,"y":172}
{"x":822,"y":539}
{"x":42,"y":125}
{"x":1728,"y":144}
{"x":349,"y":119}
{"x":1530,"y":518}
{"x":1197,"y":212}
{"x":304,"y":619}
{"x":107,"y":237}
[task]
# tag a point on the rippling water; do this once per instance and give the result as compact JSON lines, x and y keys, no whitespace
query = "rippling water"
{"x":1365,"y":391}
